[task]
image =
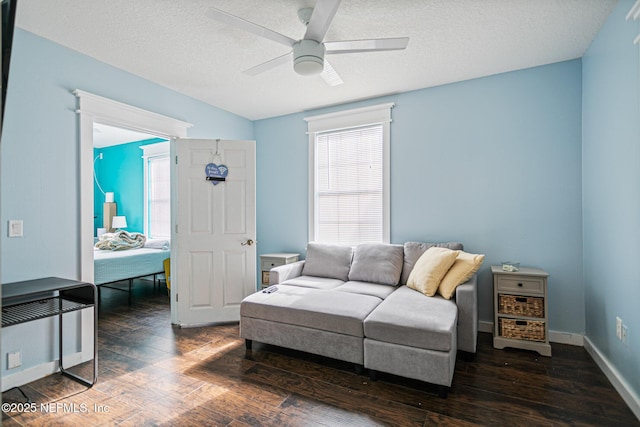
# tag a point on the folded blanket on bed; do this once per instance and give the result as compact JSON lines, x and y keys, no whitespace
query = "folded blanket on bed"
{"x":162,"y":244}
{"x":121,"y":240}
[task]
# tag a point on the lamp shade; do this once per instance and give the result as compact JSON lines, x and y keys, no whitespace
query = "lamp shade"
{"x":119,"y":222}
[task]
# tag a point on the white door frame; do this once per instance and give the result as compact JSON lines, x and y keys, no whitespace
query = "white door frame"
{"x":97,"y":109}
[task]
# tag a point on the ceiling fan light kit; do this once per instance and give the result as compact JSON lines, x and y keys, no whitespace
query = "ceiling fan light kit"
{"x":308,"y":57}
{"x":308,"y":53}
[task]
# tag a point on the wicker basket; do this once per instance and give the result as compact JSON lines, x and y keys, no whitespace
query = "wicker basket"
{"x":521,"y":305}
{"x":532,"y":330}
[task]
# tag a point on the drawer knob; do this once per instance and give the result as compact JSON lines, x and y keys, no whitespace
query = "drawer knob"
{"x":520,"y":284}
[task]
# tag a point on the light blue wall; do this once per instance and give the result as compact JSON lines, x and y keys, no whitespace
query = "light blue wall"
{"x":40,"y":175}
{"x":493,"y":162}
{"x":40,"y":154}
{"x":121,"y":170}
{"x":611,"y":182}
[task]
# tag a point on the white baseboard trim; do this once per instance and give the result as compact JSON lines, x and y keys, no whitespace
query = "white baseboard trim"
{"x":627,"y":393}
{"x":554,"y":336}
{"x":41,"y":371}
{"x":566,"y":338}
{"x":484,"y":326}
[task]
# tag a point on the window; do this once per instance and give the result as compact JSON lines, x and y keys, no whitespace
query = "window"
{"x":157,"y":191}
{"x":349,"y":176}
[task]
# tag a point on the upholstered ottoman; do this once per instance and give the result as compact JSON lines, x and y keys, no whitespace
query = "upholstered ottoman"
{"x":413,"y":336}
{"x":324,"y":322}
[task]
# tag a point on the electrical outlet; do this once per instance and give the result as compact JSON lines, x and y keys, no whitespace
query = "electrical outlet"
{"x":14,"y":359}
{"x":619,"y":328}
{"x":625,"y":335}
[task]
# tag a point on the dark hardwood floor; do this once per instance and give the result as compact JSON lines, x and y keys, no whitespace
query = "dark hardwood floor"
{"x":154,"y":374}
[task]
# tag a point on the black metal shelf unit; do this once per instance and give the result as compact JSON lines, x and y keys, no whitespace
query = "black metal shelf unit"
{"x":51,"y":296}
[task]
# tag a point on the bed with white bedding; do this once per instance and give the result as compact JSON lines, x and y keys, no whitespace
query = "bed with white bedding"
{"x":120,"y":265}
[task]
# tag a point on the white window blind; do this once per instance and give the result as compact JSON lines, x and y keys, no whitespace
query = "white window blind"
{"x":157,"y":190}
{"x":349,"y":176}
{"x":159,"y":197}
{"x":349,"y":167}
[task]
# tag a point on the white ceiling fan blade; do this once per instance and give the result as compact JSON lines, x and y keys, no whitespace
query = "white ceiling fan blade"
{"x":372,"y":45}
{"x":321,"y":19}
{"x":243,"y":24}
{"x":330,"y":75}
{"x":265,"y":66}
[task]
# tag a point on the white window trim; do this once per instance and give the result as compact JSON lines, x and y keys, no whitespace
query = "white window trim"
{"x":160,"y":149}
{"x":374,"y":114}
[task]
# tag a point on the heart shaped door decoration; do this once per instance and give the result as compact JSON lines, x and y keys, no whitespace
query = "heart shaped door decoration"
{"x":216,"y":173}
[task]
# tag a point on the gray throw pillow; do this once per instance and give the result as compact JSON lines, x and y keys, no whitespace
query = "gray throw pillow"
{"x":414,"y":250}
{"x":324,"y":260}
{"x":377,"y":263}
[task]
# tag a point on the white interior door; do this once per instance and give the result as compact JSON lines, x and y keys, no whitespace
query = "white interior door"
{"x":213,"y":258}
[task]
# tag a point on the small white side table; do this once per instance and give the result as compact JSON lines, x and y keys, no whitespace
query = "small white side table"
{"x":268,"y":261}
{"x":521,"y":309}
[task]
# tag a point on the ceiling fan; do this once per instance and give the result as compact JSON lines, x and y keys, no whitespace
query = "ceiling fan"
{"x":308,"y":54}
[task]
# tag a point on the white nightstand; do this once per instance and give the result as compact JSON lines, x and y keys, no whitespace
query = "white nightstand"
{"x":268,"y":261}
{"x":520,"y":309}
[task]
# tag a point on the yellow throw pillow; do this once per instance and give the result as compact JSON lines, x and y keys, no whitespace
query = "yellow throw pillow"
{"x":462,"y":269}
{"x":430,"y":268}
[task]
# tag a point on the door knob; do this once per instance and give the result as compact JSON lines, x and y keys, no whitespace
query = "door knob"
{"x":249,"y":242}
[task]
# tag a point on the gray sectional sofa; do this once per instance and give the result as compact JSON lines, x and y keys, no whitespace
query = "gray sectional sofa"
{"x":354,"y":305}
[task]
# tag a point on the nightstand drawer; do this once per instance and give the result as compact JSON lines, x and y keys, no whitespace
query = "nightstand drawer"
{"x":519,"y":329}
{"x":520,"y":305}
{"x":521,"y":284}
{"x":268,"y":264}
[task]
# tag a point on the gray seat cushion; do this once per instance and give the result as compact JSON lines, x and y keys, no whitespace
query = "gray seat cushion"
{"x":377,"y":263}
{"x":365,"y":288}
{"x":414,"y":250}
{"x":324,"y":260}
{"x":339,"y":312}
{"x":313,"y":282}
{"x":407,"y":317}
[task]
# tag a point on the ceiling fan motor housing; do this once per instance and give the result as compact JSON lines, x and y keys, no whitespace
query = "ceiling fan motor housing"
{"x":308,"y":57}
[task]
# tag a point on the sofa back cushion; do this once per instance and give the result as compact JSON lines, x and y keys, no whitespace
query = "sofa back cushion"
{"x":325,"y":260}
{"x":414,"y":250}
{"x":377,"y":263}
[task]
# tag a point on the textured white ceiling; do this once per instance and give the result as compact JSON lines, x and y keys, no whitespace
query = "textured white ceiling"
{"x":175,"y":44}
{"x":108,"y":136}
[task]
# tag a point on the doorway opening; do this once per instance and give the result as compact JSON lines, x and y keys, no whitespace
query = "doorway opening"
{"x":94,"y":109}
{"x":132,"y":202}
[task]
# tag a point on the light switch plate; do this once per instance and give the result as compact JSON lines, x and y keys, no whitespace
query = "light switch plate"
{"x":15,"y":228}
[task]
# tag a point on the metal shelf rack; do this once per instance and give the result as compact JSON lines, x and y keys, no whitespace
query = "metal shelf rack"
{"x":51,"y":296}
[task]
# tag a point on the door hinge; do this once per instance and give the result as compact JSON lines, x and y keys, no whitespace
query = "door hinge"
{"x":176,"y":297}
{"x":176,"y":228}
{"x":176,"y":160}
